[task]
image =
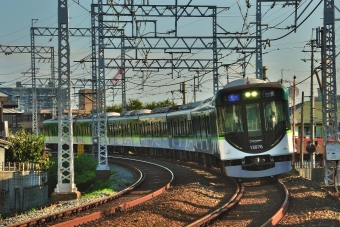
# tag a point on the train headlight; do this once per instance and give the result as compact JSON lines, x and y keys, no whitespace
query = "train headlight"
{"x":254,"y":94}
{"x":251,"y":94}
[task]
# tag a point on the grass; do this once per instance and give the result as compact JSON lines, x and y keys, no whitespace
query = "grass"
{"x":106,"y":188}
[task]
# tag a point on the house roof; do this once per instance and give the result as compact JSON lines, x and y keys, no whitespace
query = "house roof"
{"x":10,"y":104}
{"x":12,"y":111}
{"x":5,"y":143}
{"x":306,"y":113}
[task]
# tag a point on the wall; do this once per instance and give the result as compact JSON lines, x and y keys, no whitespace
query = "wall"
{"x":21,"y":191}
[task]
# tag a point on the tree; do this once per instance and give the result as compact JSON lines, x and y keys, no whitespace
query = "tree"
{"x":134,"y":104}
{"x":153,"y":105}
{"x":164,"y":103}
{"x":115,"y":108}
{"x":28,"y":147}
{"x":150,"y":105}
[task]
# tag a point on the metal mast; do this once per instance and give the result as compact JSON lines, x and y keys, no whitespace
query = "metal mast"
{"x":170,"y":43}
{"x":259,"y":72}
{"x":65,"y":133}
{"x":259,"y":62}
{"x":329,"y":99}
{"x":101,"y":99}
{"x":94,"y":83}
{"x":34,"y":88}
{"x":54,"y":96}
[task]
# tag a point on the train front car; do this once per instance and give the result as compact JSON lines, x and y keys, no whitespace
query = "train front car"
{"x":255,"y":139}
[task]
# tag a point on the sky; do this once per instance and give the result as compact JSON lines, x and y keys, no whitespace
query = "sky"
{"x":284,"y":57}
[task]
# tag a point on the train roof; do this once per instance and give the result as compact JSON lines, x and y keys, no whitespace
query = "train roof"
{"x":112,"y":114}
{"x":166,"y":109}
{"x":244,"y":81}
{"x":73,"y":120}
{"x":153,"y":115}
{"x":140,"y":112}
{"x":136,"y":112}
{"x":191,"y":105}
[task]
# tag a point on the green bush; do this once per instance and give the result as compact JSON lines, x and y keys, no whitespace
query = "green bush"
{"x":28,"y":147}
{"x":84,"y":172}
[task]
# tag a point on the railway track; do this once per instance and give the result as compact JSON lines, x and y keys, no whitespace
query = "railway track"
{"x":196,"y":192}
{"x":191,"y":202}
{"x":259,"y":203}
{"x":153,"y":180}
{"x":264,"y":203}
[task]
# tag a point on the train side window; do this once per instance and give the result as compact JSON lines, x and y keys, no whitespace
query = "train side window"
{"x":195,"y":126}
{"x":170,"y":128}
{"x":203,"y":126}
{"x":151,"y":128}
{"x":180,"y":128}
{"x":189,"y":128}
{"x":174,"y":128}
{"x":164,"y":129}
{"x":208,"y":125}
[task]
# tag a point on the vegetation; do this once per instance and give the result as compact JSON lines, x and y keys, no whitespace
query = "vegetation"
{"x":105,"y":191}
{"x":27,"y":147}
{"x":84,"y":172}
{"x":84,"y":177}
{"x":135,"y":104}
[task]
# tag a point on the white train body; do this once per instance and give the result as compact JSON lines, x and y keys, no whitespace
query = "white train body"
{"x":235,"y":131}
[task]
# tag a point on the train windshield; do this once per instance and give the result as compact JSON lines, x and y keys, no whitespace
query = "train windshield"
{"x":253,"y":119}
{"x":253,"y":126}
{"x":275,"y":116}
{"x":230,"y":119}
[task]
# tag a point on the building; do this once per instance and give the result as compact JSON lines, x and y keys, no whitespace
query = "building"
{"x":85,"y":100}
{"x":18,"y":112}
{"x":23,"y":96}
{"x":318,"y":128}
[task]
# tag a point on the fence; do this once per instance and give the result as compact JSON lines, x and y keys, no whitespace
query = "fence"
{"x":312,"y":171}
{"x":22,"y":187}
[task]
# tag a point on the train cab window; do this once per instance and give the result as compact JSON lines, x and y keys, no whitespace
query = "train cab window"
{"x":253,"y":120}
{"x":275,"y":115}
{"x":230,"y":119}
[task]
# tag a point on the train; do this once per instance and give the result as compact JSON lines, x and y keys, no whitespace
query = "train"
{"x":244,"y":130}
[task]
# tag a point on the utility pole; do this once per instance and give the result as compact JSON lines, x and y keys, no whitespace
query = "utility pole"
{"x":184,"y":91}
{"x":302,"y":128}
{"x":294,"y":116}
{"x":194,"y":89}
{"x":312,"y":128}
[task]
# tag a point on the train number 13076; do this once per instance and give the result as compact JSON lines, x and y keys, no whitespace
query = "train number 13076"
{"x":256,"y":147}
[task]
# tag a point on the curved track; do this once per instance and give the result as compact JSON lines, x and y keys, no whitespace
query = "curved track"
{"x":254,"y":203}
{"x":154,"y":179}
{"x":264,"y":203}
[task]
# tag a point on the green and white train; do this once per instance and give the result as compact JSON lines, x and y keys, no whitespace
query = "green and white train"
{"x":244,"y":130}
